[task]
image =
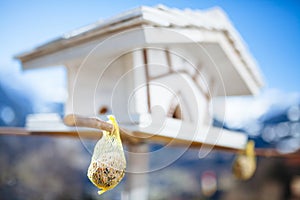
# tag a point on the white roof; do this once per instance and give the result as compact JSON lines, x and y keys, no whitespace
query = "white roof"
{"x":213,"y":19}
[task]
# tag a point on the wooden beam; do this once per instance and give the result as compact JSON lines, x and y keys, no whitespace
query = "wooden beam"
{"x":90,"y":122}
{"x":76,"y":133}
{"x":94,"y":127}
{"x":96,"y":135}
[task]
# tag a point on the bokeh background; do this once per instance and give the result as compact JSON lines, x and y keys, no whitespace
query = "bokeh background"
{"x":55,"y":168}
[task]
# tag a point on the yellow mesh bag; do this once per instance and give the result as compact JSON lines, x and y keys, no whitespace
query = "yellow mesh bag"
{"x":244,"y":165}
{"x":107,"y":167}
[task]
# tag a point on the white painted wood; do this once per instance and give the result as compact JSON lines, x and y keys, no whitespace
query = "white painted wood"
{"x":137,"y":176}
{"x":251,"y":85}
{"x":157,"y":61}
{"x":101,"y":83}
{"x":106,"y":46}
{"x":202,"y":80}
{"x":181,"y":130}
{"x":176,"y":60}
{"x":193,"y":102}
{"x":138,"y":94}
{"x":71,"y":75}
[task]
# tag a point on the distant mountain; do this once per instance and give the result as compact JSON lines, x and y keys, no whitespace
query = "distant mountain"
{"x":274,"y":115}
{"x":17,"y":101}
{"x":279,"y":127}
{"x":14,"y":107}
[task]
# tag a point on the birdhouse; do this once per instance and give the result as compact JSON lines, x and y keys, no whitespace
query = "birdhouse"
{"x":156,"y":69}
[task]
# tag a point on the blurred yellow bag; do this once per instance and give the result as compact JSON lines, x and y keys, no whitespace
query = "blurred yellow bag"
{"x":244,"y":165}
{"x":108,"y":164}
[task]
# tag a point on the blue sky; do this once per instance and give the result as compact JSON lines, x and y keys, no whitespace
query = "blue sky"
{"x":271,"y":30}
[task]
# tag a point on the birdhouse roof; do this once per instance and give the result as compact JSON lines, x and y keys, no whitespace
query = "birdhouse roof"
{"x":211,"y":20}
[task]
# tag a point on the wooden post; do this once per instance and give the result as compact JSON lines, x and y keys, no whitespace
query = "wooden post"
{"x":137,"y":173}
{"x":137,"y":156}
